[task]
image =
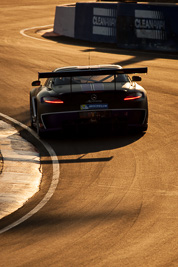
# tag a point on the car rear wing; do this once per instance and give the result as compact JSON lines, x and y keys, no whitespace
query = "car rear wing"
{"x":91,"y":72}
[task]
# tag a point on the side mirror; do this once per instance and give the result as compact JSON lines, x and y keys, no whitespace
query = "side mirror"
{"x":36,"y":83}
{"x":136,"y":78}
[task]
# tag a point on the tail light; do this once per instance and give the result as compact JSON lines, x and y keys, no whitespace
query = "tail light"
{"x":133,"y":96}
{"x":52,"y":100}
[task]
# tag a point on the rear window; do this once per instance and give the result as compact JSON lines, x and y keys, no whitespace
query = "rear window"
{"x":90,"y":79}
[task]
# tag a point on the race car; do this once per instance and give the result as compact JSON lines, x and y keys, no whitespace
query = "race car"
{"x":82,"y":96}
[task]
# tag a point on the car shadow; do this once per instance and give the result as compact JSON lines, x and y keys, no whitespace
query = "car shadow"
{"x":82,"y":143}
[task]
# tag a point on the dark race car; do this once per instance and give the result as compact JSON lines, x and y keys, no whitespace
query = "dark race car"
{"x":87,"y":95}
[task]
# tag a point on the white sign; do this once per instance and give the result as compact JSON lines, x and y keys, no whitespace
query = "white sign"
{"x":104,"y":21}
{"x":150,"y":24}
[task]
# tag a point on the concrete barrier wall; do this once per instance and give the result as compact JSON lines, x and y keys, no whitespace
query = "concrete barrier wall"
{"x":64,"y":22}
{"x":149,"y":27}
{"x":96,"y":22}
{"x":130,"y":26}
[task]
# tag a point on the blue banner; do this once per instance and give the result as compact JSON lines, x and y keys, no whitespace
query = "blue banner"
{"x":149,"y":27}
{"x":96,"y":22}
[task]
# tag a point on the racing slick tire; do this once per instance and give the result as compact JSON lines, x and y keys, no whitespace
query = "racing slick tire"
{"x":138,"y":129}
{"x":38,"y":130}
{"x":31,"y":114}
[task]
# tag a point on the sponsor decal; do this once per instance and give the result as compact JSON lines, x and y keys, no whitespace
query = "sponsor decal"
{"x":93,"y":106}
{"x":104,"y":21}
{"x":150,"y":24}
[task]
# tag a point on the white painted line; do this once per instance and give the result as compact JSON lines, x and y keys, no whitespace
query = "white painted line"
{"x":54,"y":182}
{"x":37,"y":27}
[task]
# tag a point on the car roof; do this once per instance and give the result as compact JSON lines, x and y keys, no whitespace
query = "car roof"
{"x":88,"y":67}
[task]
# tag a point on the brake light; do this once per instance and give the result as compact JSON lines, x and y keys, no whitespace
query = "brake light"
{"x":56,"y":101}
{"x":52,"y":100}
{"x":131,"y":97}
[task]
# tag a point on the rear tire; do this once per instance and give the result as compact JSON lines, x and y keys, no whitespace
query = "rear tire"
{"x":138,"y":129}
{"x":41,"y":134}
{"x":31,"y":114}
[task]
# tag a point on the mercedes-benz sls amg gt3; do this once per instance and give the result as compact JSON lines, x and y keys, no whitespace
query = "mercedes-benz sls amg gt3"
{"x":89,"y":95}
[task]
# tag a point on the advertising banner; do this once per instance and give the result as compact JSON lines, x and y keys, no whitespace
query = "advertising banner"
{"x":95,"y":22}
{"x":149,"y":27}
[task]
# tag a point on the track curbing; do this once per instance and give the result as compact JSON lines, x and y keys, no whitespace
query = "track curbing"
{"x":55,"y":176}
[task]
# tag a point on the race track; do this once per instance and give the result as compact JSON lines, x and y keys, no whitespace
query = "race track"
{"x":116,"y":203}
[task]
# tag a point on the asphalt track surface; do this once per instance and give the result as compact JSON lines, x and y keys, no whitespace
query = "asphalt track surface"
{"x":116,"y":203}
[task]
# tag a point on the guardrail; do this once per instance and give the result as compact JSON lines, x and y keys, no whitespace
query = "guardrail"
{"x":130,"y":26}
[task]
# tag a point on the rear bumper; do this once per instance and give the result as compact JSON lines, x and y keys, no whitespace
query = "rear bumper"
{"x":118,"y":117}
